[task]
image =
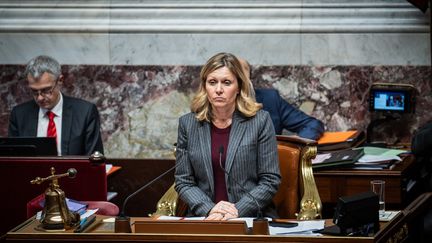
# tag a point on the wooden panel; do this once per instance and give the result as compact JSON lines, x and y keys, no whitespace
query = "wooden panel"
{"x":89,"y":184}
{"x":191,"y":227}
{"x":333,"y":184}
{"x":136,"y":173}
{"x":331,"y":188}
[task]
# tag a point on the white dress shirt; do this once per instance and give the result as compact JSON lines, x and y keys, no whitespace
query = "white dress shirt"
{"x":43,"y":121}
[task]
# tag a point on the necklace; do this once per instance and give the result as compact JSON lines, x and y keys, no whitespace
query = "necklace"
{"x":225,"y":125}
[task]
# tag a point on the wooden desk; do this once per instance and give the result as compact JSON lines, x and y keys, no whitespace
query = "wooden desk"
{"x":27,"y":233}
{"x":401,"y":188}
{"x":402,"y":227}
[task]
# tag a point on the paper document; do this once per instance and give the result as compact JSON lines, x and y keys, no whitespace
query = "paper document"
{"x":108,"y":167}
{"x":374,"y":155}
{"x":388,"y":215}
{"x":367,"y":158}
{"x":319,"y":158}
{"x":383,"y":151}
{"x":303,"y":227}
{"x":88,"y":213}
{"x":179,"y":218}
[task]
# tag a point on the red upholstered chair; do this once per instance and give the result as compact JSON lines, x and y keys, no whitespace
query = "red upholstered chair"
{"x":33,"y":206}
{"x":105,"y":208}
{"x":297,"y":196}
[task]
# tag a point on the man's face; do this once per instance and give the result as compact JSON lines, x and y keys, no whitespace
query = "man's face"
{"x":45,"y":90}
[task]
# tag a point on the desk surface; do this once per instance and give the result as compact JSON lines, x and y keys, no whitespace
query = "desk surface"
{"x":403,"y":228}
{"x":401,"y":183}
{"x":26,"y":232}
{"x":401,"y":167}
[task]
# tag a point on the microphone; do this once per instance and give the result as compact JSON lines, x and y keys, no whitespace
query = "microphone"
{"x":260,"y":224}
{"x":259,"y":213}
{"x":122,"y":222}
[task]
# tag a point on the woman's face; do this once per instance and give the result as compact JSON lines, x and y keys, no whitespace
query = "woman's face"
{"x":222,"y":89}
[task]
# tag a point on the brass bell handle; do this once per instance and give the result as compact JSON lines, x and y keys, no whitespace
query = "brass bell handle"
{"x":71,"y":173}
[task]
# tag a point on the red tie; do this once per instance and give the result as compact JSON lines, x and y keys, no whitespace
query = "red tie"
{"x":52,"y":131}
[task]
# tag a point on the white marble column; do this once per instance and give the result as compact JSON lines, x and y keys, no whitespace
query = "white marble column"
{"x":187,"y":32}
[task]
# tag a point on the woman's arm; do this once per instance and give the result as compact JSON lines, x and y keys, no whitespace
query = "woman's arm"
{"x":185,"y":181}
{"x":267,"y":169}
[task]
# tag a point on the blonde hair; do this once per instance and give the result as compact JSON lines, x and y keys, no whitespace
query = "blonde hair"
{"x":245,"y":100}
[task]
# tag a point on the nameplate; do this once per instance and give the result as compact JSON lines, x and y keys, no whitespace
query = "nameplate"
{"x":191,"y":227}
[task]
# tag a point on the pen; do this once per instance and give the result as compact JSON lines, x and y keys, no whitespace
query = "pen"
{"x":85,"y":223}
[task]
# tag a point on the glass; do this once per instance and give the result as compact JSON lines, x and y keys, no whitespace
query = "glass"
{"x":44,"y":92}
{"x":378,"y":187}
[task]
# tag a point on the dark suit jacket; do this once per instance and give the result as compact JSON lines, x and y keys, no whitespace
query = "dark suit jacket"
{"x":286,"y":116}
{"x":80,"y":125}
{"x":252,"y":161}
{"x":421,"y":147}
{"x":422,"y":141}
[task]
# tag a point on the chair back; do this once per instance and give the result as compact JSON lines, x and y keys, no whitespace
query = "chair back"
{"x":286,"y":199}
{"x":298,"y":195}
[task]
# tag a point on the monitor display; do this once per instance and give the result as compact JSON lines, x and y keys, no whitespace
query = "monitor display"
{"x":28,"y":146}
{"x":389,"y":100}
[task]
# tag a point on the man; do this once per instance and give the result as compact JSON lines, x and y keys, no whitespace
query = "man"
{"x":74,"y":122}
{"x":421,"y":147}
{"x":284,"y":115}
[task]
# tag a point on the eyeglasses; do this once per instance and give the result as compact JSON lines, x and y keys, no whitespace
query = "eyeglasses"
{"x":44,"y":92}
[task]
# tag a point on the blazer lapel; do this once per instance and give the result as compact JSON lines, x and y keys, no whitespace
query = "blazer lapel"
{"x":205,"y":146}
{"x":237,"y":130}
{"x":66,"y":125}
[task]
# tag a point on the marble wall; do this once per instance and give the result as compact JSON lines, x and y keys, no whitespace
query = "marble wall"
{"x":140,"y":105}
{"x":139,"y":61}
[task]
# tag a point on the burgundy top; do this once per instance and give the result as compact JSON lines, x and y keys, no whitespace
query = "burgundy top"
{"x":219,"y":137}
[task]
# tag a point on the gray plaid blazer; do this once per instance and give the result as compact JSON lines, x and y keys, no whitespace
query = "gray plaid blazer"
{"x":252,"y":160}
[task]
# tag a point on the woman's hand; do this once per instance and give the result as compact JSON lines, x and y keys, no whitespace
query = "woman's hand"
{"x":223,"y":210}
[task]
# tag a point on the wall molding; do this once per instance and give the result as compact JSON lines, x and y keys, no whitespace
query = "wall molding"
{"x":210,"y":16}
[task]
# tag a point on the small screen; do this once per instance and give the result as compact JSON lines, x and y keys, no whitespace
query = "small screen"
{"x":389,"y":100}
{"x":28,"y":146}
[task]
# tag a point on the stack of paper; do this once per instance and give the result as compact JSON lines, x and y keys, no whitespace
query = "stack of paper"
{"x":337,"y":158}
{"x":378,"y":158}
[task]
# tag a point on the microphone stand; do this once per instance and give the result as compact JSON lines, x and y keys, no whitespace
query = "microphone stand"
{"x":122,"y":222}
{"x":260,"y":224}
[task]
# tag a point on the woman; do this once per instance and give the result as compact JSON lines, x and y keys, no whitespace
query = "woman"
{"x":227,"y":154}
